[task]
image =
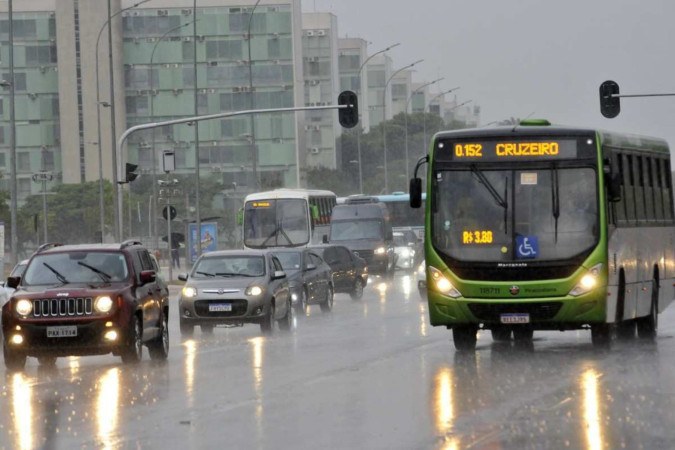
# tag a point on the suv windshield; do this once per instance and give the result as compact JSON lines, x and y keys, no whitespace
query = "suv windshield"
{"x":290,"y":261}
{"x":229,"y":266}
{"x":76,"y":267}
{"x":507,"y":215}
{"x":347,"y":230}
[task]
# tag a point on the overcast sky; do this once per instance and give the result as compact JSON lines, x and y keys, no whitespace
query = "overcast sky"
{"x":543,"y":58}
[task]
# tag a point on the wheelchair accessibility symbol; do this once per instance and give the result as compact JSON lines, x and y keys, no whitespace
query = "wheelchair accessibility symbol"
{"x":527,"y":247}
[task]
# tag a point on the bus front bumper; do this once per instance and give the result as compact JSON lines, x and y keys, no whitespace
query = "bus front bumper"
{"x":552,"y":313}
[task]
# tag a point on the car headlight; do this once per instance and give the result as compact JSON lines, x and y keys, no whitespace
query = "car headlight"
{"x":443,"y":285}
{"x":24,"y":307}
{"x":103,"y":304}
{"x":189,"y":292}
{"x":588,"y":281}
{"x":380,"y":251}
{"x":405,"y":253}
{"x":420,"y":269}
{"x":253,"y":291}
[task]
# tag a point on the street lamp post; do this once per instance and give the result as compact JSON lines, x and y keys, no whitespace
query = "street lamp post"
{"x":254,"y":150}
{"x":384,"y":120}
{"x":12,"y":143}
{"x":43,"y":177}
{"x":407,"y":169}
{"x":99,"y":103}
{"x":424,"y":116}
{"x":153,"y":232}
{"x":360,"y":130}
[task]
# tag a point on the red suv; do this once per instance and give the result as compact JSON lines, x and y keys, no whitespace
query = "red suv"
{"x":88,"y":299}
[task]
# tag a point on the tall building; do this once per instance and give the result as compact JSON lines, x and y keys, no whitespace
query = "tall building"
{"x":401,"y":86}
{"x":322,"y":84}
{"x":379,"y":70}
{"x":353,"y":76}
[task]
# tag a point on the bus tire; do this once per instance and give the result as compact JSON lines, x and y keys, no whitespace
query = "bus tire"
{"x":523,"y":334}
{"x":601,"y":336}
{"x":501,"y":334}
{"x":648,"y":325}
{"x":625,"y":331}
{"x":465,"y":337}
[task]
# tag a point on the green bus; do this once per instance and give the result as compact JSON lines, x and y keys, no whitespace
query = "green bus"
{"x":540,"y":227}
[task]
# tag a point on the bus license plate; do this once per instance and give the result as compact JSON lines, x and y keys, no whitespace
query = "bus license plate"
{"x":514,"y":318}
{"x":220,"y":307}
{"x":65,"y":331}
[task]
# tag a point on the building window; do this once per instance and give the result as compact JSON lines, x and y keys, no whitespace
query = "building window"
{"x":23,"y":161}
{"x":23,"y":186}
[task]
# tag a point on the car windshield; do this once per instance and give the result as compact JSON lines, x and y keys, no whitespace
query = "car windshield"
{"x":210,"y":266}
{"x":347,"y":230}
{"x":76,"y":267}
{"x":290,"y":261}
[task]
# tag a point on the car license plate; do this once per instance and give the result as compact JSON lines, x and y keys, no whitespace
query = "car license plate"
{"x":514,"y":318}
{"x":220,"y":307}
{"x":65,"y":331}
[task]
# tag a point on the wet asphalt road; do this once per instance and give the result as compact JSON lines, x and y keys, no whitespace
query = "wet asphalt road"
{"x":371,"y":374}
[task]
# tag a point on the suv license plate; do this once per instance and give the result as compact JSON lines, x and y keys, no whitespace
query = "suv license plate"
{"x":220,"y":307}
{"x":514,"y":318}
{"x":66,"y":331}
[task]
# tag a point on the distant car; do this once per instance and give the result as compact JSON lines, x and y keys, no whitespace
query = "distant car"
{"x":234,"y":287}
{"x":309,"y":278}
{"x":86,"y":299}
{"x":405,"y":247}
{"x":422,"y":280}
{"x":350,"y":271}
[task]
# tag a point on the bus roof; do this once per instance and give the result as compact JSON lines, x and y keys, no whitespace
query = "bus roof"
{"x":288,"y":193}
{"x":623,"y":140}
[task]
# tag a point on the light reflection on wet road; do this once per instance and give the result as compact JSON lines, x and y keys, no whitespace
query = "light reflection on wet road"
{"x":371,"y":374}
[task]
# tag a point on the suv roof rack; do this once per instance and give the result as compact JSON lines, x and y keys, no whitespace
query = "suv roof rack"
{"x":47,"y":246}
{"x":129,"y":243}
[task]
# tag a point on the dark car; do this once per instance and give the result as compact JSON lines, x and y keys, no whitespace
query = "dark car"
{"x":86,"y":299}
{"x":350,"y":271}
{"x":234,"y":287}
{"x":309,"y":278}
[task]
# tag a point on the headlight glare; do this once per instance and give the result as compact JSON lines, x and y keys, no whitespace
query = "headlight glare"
{"x":24,"y":307}
{"x":589,"y":281}
{"x":189,"y":292}
{"x":103,"y":304}
{"x":443,"y":285}
{"x":380,"y":251}
{"x":253,"y":291}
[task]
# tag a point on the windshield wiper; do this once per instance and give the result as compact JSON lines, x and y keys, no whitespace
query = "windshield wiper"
{"x":495,"y":195}
{"x":555,"y":199}
{"x":59,"y":276}
{"x":278,"y":230}
{"x":226,"y":274}
{"x":104,"y":276}
{"x":205,"y":273}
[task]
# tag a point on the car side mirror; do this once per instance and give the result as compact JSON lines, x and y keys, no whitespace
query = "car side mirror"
{"x":324,"y":239}
{"x":13,"y":282}
{"x":148,"y":276}
{"x":278,"y":274}
{"x":415,"y":192}
{"x":183,"y":276}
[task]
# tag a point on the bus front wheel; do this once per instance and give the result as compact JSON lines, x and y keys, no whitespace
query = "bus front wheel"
{"x":465,"y":337}
{"x":601,"y":335}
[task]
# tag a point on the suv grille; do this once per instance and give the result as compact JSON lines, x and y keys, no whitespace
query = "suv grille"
{"x":239,"y":308}
{"x":490,"y":312}
{"x":62,"y":307}
{"x":365,"y":254}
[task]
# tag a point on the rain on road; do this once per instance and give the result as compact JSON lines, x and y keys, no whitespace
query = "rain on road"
{"x":370,"y":374}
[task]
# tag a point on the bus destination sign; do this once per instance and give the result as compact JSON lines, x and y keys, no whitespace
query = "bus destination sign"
{"x":507,"y":150}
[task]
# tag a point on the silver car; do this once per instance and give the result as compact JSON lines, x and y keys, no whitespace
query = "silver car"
{"x":234,"y":287}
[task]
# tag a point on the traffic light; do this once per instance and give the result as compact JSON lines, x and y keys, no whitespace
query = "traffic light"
{"x":348,"y":117}
{"x":130,"y":172}
{"x":609,"y":105}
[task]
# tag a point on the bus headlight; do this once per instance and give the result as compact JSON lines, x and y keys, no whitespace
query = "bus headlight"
{"x":380,"y":251}
{"x":589,"y":281}
{"x":189,"y":292}
{"x":443,"y":285}
{"x":24,"y":307}
{"x":103,"y":304}
{"x":253,"y":291}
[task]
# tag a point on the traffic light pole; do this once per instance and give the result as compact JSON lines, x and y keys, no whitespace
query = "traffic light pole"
{"x":609,"y":98}
{"x":147,"y":126}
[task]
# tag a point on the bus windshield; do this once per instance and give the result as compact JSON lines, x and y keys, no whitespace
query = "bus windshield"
{"x":276,"y":223}
{"x":543,"y":214}
{"x":349,"y":230}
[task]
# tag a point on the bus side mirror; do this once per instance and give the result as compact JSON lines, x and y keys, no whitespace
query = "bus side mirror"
{"x":614,"y":187}
{"x":240,"y":216}
{"x":415,"y":192}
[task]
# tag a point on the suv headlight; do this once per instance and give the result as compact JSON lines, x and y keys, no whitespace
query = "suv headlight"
{"x":103,"y":304}
{"x":189,"y":292}
{"x":23,"y":307}
{"x":588,"y":281}
{"x":253,"y":291}
{"x":380,"y":251}
{"x":442,"y":284}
